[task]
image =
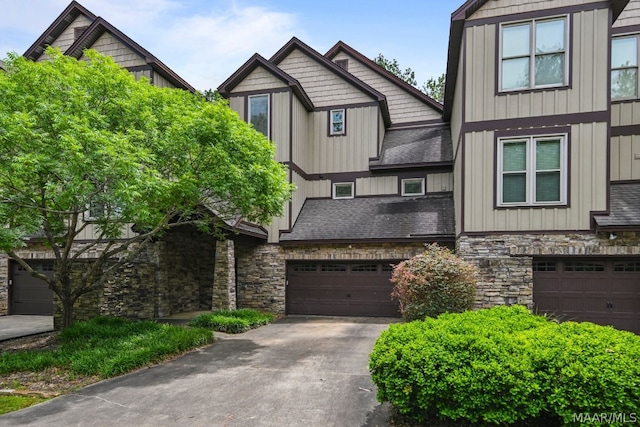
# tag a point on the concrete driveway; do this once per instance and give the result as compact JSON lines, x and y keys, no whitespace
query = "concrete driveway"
{"x":299,"y":371}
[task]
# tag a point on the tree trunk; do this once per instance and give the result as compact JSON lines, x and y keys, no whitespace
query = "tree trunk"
{"x":67,"y":312}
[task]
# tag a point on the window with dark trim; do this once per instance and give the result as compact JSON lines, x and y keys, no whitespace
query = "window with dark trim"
{"x":259,"y":113}
{"x":624,"y":67}
{"x":304,"y":268}
{"x":532,"y":171}
{"x":343,"y":63}
{"x":544,"y":266}
{"x":578,"y":266}
{"x":333,"y":267}
{"x":337,"y":123}
{"x":365,"y":268}
{"x":77,"y":32}
{"x":626,"y":267}
{"x":533,"y":54}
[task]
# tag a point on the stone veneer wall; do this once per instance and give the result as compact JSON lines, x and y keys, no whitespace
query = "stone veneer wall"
{"x":262,"y":270}
{"x":505,"y":260}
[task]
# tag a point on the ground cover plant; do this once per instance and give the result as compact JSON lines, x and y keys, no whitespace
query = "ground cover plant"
{"x":506,"y":366}
{"x":89,"y":351}
{"x":433,"y":282}
{"x":232,"y":321}
{"x":15,"y":403}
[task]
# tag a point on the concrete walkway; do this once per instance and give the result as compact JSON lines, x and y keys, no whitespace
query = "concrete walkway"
{"x":299,"y":371}
{"x":24,"y":325}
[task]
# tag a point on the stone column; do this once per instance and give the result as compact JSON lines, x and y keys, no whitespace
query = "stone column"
{"x":224,"y":285}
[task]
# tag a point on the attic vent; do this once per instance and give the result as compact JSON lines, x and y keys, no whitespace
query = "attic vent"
{"x":343,"y":63}
{"x":77,"y":32}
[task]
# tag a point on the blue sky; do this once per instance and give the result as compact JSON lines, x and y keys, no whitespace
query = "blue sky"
{"x":205,"y":41}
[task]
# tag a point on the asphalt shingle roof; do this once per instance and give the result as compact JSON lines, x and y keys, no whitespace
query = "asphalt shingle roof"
{"x":415,"y":146}
{"x":370,"y":218}
{"x":625,"y":207}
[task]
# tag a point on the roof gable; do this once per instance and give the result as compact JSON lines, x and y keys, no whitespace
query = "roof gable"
{"x":296,"y":45}
{"x":258,"y":61}
{"x":422,"y":97}
{"x":97,"y":28}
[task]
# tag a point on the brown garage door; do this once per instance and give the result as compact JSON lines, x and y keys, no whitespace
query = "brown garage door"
{"x":28,"y":294}
{"x":603,"y":291}
{"x":340,"y":289}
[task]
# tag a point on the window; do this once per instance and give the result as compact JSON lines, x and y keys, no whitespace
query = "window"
{"x":413,"y":187}
{"x":259,"y":113}
{"x":534,"y":54}
{"x":532,"y":170}
{"x":343,"y":190}
{"x":337,"y":124}
{"x":343,"y":63}
{"x":583,"y":266}
{"x":77,"y":32}
{"x":624,"y":67}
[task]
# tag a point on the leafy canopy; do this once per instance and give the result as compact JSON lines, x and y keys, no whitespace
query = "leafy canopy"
{"x":84,"y":133}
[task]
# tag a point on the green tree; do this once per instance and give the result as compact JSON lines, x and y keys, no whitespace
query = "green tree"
{"x":85,"y":136}
{"x":434,"y":87}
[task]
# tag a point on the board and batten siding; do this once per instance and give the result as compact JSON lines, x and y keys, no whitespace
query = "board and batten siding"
{"x":498,"y":8}
{"x":281,"y":124}
{"x":625,"y":113}
{"x":347,"y":153}
{"x":588,"y":71}
{"x":439,"y":182}
{"x":259,"y":79}
{"x":587,"y":185}
{"x":376,"y":185}
{"x":90,"y":232}
{"x":630,"y":15}
{"x":456,"y":139}
{"x":403,"y":107}
{"x":121,"y":54}
{"x":324,"y":87}
{"x":300,"y":135}
{"x":237,"y":104}
{"x":160,"y":81}
{"x":624,"y":164}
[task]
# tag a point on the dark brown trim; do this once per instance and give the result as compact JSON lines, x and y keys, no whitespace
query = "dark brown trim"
{"x":522,"y":232}
{"x":139,"y":68}
{"x":347,"y":106}
{"x":531,"y":132}
{"x":403,"y":166}
{"x":248,"y":93}
{"x":350,"y":176}
{"x":523,"y":16}
{"x":625,"y":181}
{"x":421,"y":123}
{"x":537,"y":121}
{"x":627,"y":130}
{"x":421,"y":238}
{"x":630,"y":29}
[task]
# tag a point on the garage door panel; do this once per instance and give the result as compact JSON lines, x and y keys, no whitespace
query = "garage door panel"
{"x":602,"y":291}
{"x":342,"y":289}
{"x":30,"y":295}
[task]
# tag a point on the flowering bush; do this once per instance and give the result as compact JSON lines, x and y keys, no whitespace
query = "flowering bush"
{"x":433,"y":283}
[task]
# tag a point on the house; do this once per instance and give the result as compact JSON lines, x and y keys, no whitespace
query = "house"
{"x":177,"y":273}
{"x":372,"y":162}
{"x":541,"y":100}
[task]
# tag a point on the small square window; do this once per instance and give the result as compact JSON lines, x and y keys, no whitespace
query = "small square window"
{"x":343,"y":190}
{"x":413,"y":187}
{"x":337,"y":122}
{"x":343,"y":63}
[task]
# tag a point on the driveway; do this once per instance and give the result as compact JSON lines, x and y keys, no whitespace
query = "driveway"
{"x":299,"y":371}
{"x":23,"y":325}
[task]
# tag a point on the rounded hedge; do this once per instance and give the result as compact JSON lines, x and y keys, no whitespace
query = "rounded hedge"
{"x":505,"y":365}
{"x":433,"y":282}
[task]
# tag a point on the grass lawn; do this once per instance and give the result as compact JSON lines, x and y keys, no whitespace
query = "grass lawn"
{"x":14,"y":403}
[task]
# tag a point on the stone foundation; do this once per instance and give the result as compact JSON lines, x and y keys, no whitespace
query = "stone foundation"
{"x":505,"y":260}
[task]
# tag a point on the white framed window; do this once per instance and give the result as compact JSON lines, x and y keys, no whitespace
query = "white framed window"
{"x":259,"y":113}
{"x":533,"y":54}
{"x":337,"y":122}
{"x":413,"y":187}
{"x":624,"y":67}
{"x":532,"y":171}
{"x":343,"y":190}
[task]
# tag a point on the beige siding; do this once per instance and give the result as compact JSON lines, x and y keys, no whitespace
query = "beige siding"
{"x":277,"y":224}
{"x":299,"y":197}
{"x":349,"y":153}
{"x":324,"y":87}
{"x":376,"y":185}
{"x":66,"y":39}
{"x":625,"y":113}
{"x":125,"y":57}
{"x":91,"y":233}
{"x":587,"y":186}
{"x":300,"y":135}
{"x":237,"y":104}
{"x":318,"y":188}
{"x":403,"y":107}
{"x":630,"y":15}
{"x":280,"y":124}
{"x":160,"y":81}
{"x":437,"y":182}
{"x":506,"y":7}
{"x":625,"y":158}
{"x":259,"y":79}
{"x":142,"y":73}
{"x":456,"y":138}
{"x":590,"y":37}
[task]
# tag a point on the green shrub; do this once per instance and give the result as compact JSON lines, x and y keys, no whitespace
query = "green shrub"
{"x":232,"y":321}
{"x":432,"y":283}
{"x":503,"y":366}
